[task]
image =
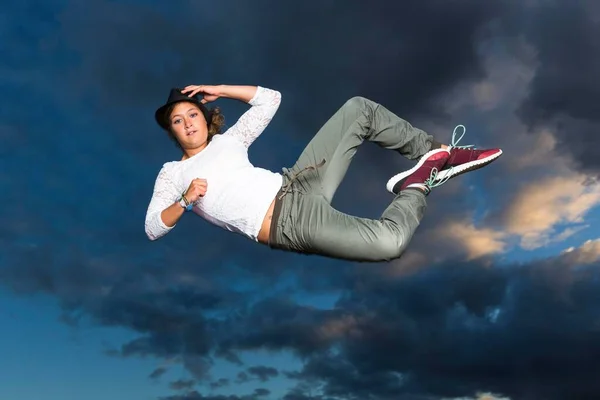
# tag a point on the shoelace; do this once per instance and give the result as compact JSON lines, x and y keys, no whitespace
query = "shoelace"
{"x":431,"y":183}
{"x":454,"y":144}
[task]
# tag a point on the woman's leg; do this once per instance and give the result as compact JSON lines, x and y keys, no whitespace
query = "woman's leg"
{"x":337,"y":141}
{"x":306,"y":222}
{"x":318,"y":228}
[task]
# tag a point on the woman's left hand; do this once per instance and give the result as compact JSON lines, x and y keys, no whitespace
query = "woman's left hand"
{"x":210,"y":93}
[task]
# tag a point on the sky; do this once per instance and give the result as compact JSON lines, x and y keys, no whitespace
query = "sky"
{"x":497,"y":296}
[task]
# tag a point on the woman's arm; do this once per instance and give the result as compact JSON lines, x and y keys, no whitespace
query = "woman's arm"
{"x":253,"y":122}
{"x":242,"y":93}
{"x":164,"y":211}
{"x":265,"y":103}
{"x":171,"y":215}
{"x":213,"y":92}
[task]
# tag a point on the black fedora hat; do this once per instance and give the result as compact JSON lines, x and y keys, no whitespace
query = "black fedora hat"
{"x":175,"y":96}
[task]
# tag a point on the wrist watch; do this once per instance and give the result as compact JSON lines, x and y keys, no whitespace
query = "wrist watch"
{"x":184,"y":203}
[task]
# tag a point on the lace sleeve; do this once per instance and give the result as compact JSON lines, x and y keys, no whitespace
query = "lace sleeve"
{"x":165,"y":193}
{"x":253,"y":122}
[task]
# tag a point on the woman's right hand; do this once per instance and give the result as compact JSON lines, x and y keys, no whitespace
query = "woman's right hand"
{"x":196,"y":190}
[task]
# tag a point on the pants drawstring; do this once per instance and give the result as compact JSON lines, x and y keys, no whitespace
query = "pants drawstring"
{"x":288,"y":186}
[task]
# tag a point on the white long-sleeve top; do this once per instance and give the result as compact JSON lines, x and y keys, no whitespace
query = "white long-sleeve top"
{"x":238,"y":194}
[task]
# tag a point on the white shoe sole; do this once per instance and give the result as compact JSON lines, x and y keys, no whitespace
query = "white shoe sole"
{"x":398,"y":177}
{"x":452,"y":172}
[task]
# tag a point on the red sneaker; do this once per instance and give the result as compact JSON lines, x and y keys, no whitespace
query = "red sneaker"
{"x":466,"y":158}
{"x":422,"y":175}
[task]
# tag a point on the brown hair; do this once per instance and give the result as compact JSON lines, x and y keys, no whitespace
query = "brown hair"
{"x":215,"y":125}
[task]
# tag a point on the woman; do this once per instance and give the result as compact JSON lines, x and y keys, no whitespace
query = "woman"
{"x":291,"y":210}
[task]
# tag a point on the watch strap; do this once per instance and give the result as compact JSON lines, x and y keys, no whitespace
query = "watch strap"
{"x":184,"y":203}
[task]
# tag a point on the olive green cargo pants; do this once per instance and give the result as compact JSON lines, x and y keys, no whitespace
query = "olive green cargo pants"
{"x":304,"y":220}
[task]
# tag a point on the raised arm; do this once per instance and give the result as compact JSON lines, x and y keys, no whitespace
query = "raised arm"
{"x":264,"y":104}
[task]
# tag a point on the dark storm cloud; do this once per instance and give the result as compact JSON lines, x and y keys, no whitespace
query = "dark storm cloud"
{"x":527,"y":332}
{"x":182,"y":384}
{"x":194,"y":395}
{"x":277,"y":324}
{"x":262,"y":392}
{"x":403,"y":54}
{"x":157,"y":373}
{"x":565,"y":92}
{"x":263,"y":373}
{"x":258,"y":394}
{"x":450,"y":330}
{"x":242,"y":377}
{"x":219,"y":383}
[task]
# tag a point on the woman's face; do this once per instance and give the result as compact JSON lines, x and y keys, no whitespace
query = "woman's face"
{"x":189,"y":125}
